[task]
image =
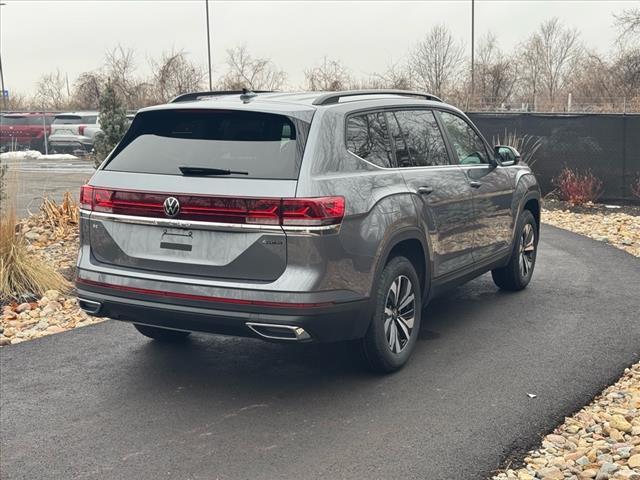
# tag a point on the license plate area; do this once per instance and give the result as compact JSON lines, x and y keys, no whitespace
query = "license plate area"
{"x":177,"y":239}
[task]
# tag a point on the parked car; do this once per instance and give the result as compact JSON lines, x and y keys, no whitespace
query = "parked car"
{"x":24,"y":130}
{"x":74,"y":132}
{"x":301,"y":217}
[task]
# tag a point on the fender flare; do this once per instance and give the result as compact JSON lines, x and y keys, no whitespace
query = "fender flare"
{"x":529,"y":195}
{"x":409,"y":233}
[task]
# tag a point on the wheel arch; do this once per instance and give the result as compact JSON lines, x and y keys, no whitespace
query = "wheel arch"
{"x":532,"y":203}
{"x":410,"y":243}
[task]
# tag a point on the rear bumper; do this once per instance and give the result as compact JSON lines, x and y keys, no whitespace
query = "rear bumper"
{"x":325,"y":323}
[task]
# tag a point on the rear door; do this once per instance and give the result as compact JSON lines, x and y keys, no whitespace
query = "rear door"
{"x":493,"y":187}
{"x":442,"y":193}
{"x":148,"y":214}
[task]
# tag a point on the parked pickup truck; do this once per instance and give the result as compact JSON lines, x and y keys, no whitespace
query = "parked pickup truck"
{"x":24,"y":130}
{"x":73,"y":132}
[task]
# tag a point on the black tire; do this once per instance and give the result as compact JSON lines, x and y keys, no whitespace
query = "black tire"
{"x":517,"y":274}
{"x":377,"y":343}
{"x":161,"y":334}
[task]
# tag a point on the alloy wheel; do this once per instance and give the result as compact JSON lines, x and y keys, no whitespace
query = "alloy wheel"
{"x":399,"y":313}
{"x":527,"y":250}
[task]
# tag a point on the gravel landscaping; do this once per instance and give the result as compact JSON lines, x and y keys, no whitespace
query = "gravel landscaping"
{"x":601,"y":441}
{"x":57,"y":310}
{"x":619,"y":226}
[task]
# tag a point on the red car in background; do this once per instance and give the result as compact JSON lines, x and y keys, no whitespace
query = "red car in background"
{"x":24,"y":130}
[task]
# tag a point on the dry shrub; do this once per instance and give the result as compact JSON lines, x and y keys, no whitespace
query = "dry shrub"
{"x":526,"y":145}
{"x":577,"y":188}
{"x":22,"y":272}
{"x":60,"y":217}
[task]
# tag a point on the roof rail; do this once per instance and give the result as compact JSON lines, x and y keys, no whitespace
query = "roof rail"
{"x":187,"y":97}
{"x":334,"y":97}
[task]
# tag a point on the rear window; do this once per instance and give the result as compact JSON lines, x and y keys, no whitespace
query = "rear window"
{"x":264,"y":145}
{"x":67,"y":120}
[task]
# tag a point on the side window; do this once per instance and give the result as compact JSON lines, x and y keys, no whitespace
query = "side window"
{"x":422,"y":139}
{"x":403,"y":158}
{"x":368,"y":138}
{"x":465,"y":141}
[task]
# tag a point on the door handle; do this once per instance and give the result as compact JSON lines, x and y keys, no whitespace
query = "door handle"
{"x":475,"y":184}
{"x":425,"y":190}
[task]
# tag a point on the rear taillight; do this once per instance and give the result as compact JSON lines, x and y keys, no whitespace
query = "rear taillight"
{"x":312,"y":211}
{"x":81,"y":129}
{"x":86,"y":197}
{"x":317,"y":211}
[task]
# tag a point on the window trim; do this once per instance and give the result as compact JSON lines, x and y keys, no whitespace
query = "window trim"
{"x":453,"y":158}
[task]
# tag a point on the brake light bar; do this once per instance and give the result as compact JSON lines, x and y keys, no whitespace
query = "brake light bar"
{"x":312,"y":211}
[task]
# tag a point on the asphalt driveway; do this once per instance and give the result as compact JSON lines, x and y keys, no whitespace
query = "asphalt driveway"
{"x":103,"y":402}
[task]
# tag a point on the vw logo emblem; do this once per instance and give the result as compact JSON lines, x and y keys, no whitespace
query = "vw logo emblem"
{"x":171,"y":207}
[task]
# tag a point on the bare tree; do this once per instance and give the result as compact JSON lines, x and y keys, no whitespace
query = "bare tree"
{"x":559,"y":50}
{"x":530,"y":67}
{"x":87,"y":89}
{"x":330,"y":75}
{"x":245,"y":71}
{"x":173,"y":74}
{"x":496,"y":74}
{"x":436,"y":61}
{"x":19,"y":101}
{"x":626,"y":72}
{"x":120,"y":69}
{"x":628,"y":22}
{"x":51,"y":91}
{"x":397,"y":76}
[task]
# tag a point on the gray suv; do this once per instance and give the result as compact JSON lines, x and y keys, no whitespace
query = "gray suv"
{"x":301,"y":217}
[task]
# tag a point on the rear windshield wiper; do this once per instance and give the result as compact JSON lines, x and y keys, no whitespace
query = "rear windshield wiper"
{"x":204,"y":171}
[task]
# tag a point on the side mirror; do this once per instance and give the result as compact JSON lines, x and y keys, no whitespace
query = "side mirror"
{"x":506,"y":155}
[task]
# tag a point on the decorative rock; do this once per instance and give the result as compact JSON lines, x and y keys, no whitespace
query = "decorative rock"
{"x":606,"y":470}
{"x":50,"y":308}
{"x":524,"y":475}
{"x":620,"y":423}
{"x":557,"y":439}
{"x":32,"y":236}
{"x":588,"y":473}
{"x":54,"y":329}
{"x":634,"y":461}
{"x":23,"y":307}
{"x":550,"y":473}
{"x":52,"y":294}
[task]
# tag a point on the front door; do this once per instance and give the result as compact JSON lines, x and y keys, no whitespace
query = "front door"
{"x":442,"y":193}
{"x":493,"y":187}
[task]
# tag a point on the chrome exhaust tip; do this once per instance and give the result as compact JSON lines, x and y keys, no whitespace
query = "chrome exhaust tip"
{"x":279,"y":332}
{"x":89,"y":306}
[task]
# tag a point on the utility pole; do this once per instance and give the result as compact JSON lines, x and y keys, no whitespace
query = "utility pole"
{"x":208,"y":45}
{"x":4,"y":98}
{"x":472,"y":49}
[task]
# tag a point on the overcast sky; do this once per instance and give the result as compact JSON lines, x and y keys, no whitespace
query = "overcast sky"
{"x":40,"y":36}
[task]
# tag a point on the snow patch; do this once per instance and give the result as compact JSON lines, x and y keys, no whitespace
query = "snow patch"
{"x":35,"y":155}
